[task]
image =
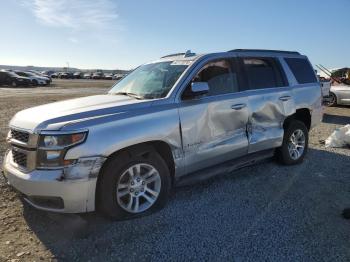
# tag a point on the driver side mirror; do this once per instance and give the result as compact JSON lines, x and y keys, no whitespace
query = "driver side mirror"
{"x":199,"y":88}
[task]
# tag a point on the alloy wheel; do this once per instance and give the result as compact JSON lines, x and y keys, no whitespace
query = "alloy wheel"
{"x":138,"y":188}
{"x":296,"y":145}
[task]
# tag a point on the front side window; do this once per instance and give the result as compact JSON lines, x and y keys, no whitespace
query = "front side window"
{"x":220,"y":77}
{"x":151,"y":81}
{"x":21,"y":74}
{"x":263,"y":73}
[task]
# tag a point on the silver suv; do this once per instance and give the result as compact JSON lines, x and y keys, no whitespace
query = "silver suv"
{"x":181,"y":117}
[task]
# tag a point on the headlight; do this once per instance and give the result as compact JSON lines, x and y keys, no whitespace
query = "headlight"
{"x":52,"y":149}
{"x":54,"y":141}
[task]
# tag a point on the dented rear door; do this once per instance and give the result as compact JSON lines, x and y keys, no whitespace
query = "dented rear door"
{"x":270,"y":102}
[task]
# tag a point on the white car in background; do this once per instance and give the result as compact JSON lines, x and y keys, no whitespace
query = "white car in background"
{"x":35,"y":79}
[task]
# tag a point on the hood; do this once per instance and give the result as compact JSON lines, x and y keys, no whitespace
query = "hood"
{"x":55,"y":115}
{"x":42,"y":78}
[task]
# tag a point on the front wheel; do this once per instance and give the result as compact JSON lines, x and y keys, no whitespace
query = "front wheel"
{"x":133,"y":185}
{"x":295,"y":143}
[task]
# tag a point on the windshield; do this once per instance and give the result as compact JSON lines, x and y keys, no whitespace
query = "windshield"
{"x":151,"y":80}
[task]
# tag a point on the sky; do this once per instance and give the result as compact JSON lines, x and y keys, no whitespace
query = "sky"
{"x":122,"y":34}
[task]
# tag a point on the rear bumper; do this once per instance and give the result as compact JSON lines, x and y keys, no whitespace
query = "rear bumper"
{"x":48,"y":190}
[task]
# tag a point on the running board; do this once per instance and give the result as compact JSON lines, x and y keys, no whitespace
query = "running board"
{"x":226,"y":167}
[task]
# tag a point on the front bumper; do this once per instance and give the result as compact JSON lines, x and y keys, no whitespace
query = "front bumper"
{"x":50,"y":190}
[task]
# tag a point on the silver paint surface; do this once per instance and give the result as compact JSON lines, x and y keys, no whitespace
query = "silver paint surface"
{"x":342,"y":92}
{"x":200,"y":133}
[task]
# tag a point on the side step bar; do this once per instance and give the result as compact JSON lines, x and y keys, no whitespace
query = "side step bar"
{"x":226,"y":167}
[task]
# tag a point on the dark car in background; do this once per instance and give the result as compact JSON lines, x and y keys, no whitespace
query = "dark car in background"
{"x":47,"y":73}
{"x":35,"y":78}
{"x":42,"y":74}
{"x":118,"y":76}
{"x":108,"y":76}
{"x":65,"y":75}
{"x":87,"y":76}
{"x":12,"y":79}
{"x":97,"y":75}
{"x":78,"y":75}
{"x":54,"y":75}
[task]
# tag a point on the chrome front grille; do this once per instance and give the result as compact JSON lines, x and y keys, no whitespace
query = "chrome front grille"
{"x":19,"y":158}
{"x":20,"y":135}
{"x":23,"y":148}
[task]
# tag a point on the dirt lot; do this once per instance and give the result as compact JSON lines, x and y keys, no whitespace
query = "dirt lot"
{"x":266,"y":212}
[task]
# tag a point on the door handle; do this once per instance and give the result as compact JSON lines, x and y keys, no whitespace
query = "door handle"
{"x":238,"y":106}
{"x":285,"y":98}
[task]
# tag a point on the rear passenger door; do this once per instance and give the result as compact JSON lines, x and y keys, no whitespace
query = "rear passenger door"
{"x":270,"y":101}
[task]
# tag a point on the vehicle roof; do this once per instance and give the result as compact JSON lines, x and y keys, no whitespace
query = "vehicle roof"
{"x":244,"y":52}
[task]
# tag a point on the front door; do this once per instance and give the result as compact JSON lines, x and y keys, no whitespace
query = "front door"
{"x":214,"y":126}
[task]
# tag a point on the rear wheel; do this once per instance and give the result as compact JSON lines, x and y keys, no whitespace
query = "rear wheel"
{"x":295,"y":143}
{"x":133,"y":185}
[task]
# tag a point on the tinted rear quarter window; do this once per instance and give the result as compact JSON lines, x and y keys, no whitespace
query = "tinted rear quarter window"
{"x":263,"y":72}
{"x":302,"y":70}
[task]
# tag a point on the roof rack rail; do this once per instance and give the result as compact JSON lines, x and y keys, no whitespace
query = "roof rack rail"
{"x":176,"y":54}
{"x":187,"y":54}
{"x":265,"y":51}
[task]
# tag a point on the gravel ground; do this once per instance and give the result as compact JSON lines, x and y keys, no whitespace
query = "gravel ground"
{"x":265,"y":212}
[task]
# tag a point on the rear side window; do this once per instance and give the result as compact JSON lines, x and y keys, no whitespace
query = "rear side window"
{"x":263,"y":72}
{"x":302,"y":70}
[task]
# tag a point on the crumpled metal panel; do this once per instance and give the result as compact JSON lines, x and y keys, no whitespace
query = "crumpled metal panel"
{"x":212,"y":131}
{"x":267,"y":114}
{"x":87,"y":167}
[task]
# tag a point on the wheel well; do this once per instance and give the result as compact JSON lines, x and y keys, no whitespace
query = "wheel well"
{"x":302,"y":115}
{"x":161,"y":147}
{"x":331,"y":93}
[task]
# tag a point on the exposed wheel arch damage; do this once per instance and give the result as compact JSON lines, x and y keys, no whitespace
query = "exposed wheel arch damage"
{"x":161,"y":147}
{"x":302,"y":114}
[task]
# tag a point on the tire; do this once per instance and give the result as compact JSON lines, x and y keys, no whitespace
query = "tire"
{"x":289,"y":153}
{"x":116,"y":188}
{"x":14,"y":84}
{"x":35,"y":82}
{"x":332,"y":99}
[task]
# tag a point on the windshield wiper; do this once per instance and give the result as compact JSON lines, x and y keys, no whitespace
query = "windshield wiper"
{"x":133,"y":95}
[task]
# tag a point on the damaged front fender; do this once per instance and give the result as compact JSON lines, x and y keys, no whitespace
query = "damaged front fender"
{"x":87,"y":167}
